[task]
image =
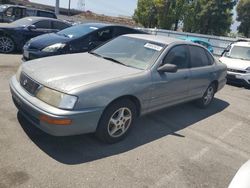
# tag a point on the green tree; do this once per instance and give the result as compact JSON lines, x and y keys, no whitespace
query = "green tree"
{"x":243,"y":11}
{"x":209,"y":16}
{"x":145,"y":13}
{"x":160,"y":13}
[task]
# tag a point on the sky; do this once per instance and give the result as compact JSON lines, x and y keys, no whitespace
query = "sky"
{"x":111,"y":8}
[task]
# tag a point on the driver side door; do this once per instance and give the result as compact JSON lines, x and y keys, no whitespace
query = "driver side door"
{"x":171,"y":88}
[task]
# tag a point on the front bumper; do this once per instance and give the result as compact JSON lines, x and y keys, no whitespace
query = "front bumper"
{"x":83,"y":121}
{"x":238,"y":78}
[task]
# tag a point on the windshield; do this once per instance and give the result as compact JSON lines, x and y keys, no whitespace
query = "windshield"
{"x":239,"y":52}
{"x":77,"y":31}
{"x":22,"y":22}
{"x":133,"y":52}
{"x":3,"y":7}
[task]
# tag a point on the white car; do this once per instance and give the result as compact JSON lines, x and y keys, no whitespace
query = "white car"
{"x":237,"y":59}
{"x":241,"y":179}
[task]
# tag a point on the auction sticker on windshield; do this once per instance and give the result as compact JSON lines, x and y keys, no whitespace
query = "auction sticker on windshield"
{"x":153,"y":47}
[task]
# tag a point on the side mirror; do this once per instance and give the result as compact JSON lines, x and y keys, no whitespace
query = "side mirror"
{"x":31,"y":27}
{"x":167,"y":68}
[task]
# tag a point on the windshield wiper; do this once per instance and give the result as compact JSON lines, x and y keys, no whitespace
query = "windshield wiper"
{"x":114,"y":60}
{"x":95,"y":54}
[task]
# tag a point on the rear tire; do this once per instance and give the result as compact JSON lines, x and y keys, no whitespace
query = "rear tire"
{"x":116,"y":121}
{"x":7,"y":45}
{"x":207,"y":98}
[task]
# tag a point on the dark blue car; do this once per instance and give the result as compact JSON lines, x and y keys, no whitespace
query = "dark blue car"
{"x":14,"y":35}
{"x":78,"y":38}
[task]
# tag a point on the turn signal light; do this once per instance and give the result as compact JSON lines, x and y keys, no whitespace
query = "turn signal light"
{"x":54,"y":121}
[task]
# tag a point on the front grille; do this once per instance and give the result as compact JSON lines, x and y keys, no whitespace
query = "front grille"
{"x":28,"y":84}
{"x":237,"y":71}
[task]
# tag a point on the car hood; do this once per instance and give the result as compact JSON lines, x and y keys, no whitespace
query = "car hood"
{"x":68,"y":72}
{"x":45,"y":40}
{"x":235,"y":63}
{"x":7,"y":25}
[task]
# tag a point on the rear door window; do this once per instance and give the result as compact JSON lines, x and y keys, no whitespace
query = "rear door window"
{"x":59,"y":25}
{"x":44,"y":24}
{"x":45,"y":14}
{"x":198,"y":57}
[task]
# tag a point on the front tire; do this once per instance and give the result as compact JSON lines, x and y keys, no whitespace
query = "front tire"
{"x":207,"y":98}
{"x":116,"y":121}
{"x":7,"y":45}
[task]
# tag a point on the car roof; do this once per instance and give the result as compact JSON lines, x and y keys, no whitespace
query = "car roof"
{"x":10,"y":5}
{"x":37,"y":18}
{"x":101,"y":25}
{"x":242,"y":44}
{"x":157,"y":38}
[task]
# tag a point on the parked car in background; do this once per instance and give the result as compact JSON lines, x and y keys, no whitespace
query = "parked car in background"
{"x":103,"y":91}
{"x":10,"y":13}
{"x":241,"y":178}
{"x":78,"y":38}
{"x":237,"y":59}
{"x":14,"y":35}
{"x":202,"y":42}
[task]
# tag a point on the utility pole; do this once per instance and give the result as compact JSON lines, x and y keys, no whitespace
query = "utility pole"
{"x":57,"y":7}
{"x":69,"y":8}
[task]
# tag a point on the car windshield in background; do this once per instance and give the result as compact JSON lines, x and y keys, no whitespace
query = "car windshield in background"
{"x":132,"y":52}
{"x":77,"y":31}
{"x":239,"y":52}
{"x":22,"y":22}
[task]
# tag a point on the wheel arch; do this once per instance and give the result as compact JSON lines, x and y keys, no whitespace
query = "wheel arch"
{"x":133,"y":99}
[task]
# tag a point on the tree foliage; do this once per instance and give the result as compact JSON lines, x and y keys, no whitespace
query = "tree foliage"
{"x":201,"y":16}
{"x":159,"y":13}
{"x":243,"y":11}
{"x":209,"y":16}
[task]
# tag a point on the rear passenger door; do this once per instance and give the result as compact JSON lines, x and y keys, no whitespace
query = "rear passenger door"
{"x":202,"y":71}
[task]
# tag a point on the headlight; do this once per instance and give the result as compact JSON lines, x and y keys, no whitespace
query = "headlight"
{"x":18,"y":73}
{"x":54,"y":47}
{"x":56,"y":98}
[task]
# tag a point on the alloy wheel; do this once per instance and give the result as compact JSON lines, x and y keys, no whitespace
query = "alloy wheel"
{"x":119,"y":122}
{"x":6,"y":45}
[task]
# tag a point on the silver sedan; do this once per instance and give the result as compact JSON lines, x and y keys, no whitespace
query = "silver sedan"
{"x":103,"y":91}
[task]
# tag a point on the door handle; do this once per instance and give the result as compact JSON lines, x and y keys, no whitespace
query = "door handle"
{"x":185,"y":77}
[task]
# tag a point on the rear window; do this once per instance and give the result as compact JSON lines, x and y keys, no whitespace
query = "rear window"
{"x":198,"y":57}
{"x":45,"y":14}
{"x":59,"y":25}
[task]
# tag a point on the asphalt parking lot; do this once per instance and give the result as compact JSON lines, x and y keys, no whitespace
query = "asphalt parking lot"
{"x":182,"y":146}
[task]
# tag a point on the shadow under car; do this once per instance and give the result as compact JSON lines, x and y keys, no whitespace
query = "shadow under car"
{"x":85,"y":148}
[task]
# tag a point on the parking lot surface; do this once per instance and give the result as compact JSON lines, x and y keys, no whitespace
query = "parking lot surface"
{"x":182,"y":146}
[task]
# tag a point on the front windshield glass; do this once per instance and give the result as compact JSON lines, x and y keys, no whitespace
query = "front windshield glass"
{"x":133,"y":52}
{"x":77,"y":31}
{"x":22,"y":22}
{"x":239,"y":52}
{"x":3,"y":7}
